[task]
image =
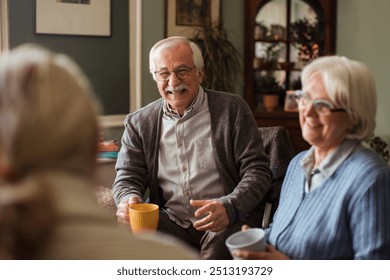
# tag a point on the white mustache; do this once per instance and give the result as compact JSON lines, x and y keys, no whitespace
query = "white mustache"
{"x":176,"y":89}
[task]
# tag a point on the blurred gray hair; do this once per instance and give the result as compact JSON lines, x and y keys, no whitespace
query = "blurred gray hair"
{"x":48,"y":112}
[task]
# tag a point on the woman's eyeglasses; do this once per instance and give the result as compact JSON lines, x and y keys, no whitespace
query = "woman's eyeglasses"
{"x":322,"y":107}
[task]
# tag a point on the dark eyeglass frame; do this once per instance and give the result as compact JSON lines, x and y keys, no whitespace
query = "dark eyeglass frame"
{"x":181,"y":72}
{"x":300,"y":95}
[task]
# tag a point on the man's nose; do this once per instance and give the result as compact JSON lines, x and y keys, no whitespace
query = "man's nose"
{"x":173,"y":79}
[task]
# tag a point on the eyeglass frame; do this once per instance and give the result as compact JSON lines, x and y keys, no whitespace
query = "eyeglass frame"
{"x":299,"y":94}
{"x":179,"y":76}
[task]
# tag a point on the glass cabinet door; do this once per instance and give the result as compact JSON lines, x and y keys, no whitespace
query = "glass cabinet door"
{"x":285,"y":35}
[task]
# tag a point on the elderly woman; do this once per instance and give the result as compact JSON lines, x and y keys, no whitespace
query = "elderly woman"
{"x":48,"y":144}
{"x":335,"y":200}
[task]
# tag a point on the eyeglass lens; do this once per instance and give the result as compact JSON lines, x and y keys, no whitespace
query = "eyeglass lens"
{"x":321,"y":106}
{"x":165,"y":75}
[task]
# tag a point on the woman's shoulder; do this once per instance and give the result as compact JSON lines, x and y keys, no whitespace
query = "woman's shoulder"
{"x":366,"y":157}
{"x":363,"y":168}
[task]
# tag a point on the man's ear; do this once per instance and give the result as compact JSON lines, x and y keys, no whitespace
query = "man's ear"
{"x":200,"y":75}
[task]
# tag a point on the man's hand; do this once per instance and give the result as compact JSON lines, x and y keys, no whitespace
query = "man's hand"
{"x":214,"y":215}
{"x":122,"y":212}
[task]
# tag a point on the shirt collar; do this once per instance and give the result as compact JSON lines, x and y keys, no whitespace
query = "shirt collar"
{"x":191,"y":110}
{"x":331,"y":162}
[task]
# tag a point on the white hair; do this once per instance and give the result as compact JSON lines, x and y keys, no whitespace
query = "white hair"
{"x":350,"y":85}
{"x":171,"y":42}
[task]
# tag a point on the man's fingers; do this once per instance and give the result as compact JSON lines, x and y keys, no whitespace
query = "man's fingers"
{"x":133,"y":200}
{"x":207,"y":209}
{"x":122,"y":212}
{"x":199,"y":203}
{"x":122,"y":207}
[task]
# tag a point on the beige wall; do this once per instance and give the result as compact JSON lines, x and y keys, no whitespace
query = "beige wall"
{"x":362,"y":34}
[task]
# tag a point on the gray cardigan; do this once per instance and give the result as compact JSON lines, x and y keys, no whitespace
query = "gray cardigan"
{"x":242,"y":164}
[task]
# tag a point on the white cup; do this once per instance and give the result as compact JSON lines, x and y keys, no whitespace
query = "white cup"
{"x":252,"y":239}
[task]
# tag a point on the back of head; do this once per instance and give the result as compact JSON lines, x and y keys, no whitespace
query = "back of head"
{"x":47,"y":112}
{"x":48,"y":121}
{"x":350,"y":85}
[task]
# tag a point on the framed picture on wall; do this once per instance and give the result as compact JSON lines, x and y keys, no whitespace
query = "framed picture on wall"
{"x":184,"y":17}
{"x":73,"y":17}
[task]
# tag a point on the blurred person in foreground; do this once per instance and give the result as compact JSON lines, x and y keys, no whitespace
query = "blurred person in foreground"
{"x":48,"y":145}
{"x":335,"y":199}
{"x":197,"y":151}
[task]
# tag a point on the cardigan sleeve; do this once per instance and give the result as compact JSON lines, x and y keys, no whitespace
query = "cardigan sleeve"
{"x":370,"y":224}
{"x":240,"y":157}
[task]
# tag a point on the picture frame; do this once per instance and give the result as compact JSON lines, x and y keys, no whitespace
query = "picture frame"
{"x":184,"y":17}
{"x":290,"y":104}
{"x":73,"y":17}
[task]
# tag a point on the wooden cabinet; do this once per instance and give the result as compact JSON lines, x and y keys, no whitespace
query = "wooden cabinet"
{"x":281,"y":37}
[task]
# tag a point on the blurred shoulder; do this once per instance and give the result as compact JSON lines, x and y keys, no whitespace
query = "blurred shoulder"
{"x":104,"y":239}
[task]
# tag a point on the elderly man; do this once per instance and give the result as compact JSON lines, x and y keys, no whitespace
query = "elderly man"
{"x":197,"y":151}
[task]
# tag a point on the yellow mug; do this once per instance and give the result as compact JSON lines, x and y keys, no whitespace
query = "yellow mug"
{"x":143,"y":217}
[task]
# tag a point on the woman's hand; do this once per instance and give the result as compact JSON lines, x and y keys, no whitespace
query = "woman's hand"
{"x":270,"y":253}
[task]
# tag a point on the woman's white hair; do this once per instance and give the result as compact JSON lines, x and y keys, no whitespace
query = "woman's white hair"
{"x":171,"y":42}
{"x":350,"y":85}
{"x":48,"y":113}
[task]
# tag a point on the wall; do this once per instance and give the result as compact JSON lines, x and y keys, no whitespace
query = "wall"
{"x":105,"y":60}
{"x":154,"y":30}
{"x":362,"y":28}
{"x":362,"y":34}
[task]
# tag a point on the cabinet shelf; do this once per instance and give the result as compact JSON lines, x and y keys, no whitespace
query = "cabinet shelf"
{"x":259,"y":12}
{"x":277,"y":69}
{"x":284,"y":41}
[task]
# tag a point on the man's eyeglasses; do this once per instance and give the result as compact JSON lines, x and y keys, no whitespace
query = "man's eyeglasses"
{"x":181,"y":73}
{"x":322,"y":107}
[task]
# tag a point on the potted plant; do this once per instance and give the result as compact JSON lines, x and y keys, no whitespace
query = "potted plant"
{"x":261,"y":31}
{"x":270,"y":90}
{"x":221,"y":58}
{"x":269,"y":55}
{"x":305,"y":35}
